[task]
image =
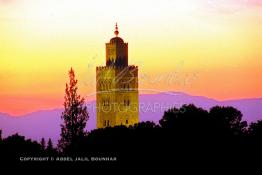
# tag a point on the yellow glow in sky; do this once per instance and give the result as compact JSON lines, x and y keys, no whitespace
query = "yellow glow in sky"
{"x":209,"y":48}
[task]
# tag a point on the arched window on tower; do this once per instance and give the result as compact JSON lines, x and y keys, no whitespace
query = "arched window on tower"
{"x":101,"y":86}
{"x":126,"y":102}
{"x":109,"y":85}
{"x":105,"y":85}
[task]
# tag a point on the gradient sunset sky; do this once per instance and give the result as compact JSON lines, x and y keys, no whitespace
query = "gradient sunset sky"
{"x":209,"y":48}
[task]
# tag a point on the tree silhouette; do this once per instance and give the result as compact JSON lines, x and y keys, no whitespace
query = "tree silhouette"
{"x":49,"y":145}
{"x":75,"y":115}
{"x":43,"y":145}
{"x":228,"y":120}
{"x":0,"y":135}
{"x":50,"y":150}
{"x":17,"y":145}
{"x":255,"y":133}
{"x":186,"y":119}
{"x":255,"y":129}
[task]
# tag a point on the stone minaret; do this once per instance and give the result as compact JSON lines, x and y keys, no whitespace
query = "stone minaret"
{"x":117,"y":87}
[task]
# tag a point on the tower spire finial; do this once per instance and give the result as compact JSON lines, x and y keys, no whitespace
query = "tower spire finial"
{"x":116,"y":30}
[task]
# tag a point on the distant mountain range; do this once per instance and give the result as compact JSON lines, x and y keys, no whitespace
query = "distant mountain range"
{"x":46,"y":123}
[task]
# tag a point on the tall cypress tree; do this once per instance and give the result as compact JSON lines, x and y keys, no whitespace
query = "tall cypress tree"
{"x":75,"y":115}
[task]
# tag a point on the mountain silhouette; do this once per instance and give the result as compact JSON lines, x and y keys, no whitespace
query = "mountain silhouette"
{"x":46,"y":123}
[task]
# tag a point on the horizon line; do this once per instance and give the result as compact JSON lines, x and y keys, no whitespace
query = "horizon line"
{"x":159,"y":92}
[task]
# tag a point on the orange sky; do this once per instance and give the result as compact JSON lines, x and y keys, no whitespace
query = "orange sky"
{"x":201,"y":47}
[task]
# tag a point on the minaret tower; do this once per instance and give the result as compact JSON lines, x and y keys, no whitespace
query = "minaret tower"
{"x":117,"y":86}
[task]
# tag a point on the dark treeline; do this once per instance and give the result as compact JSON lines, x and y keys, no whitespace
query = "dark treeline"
{"x":185,"y":134}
